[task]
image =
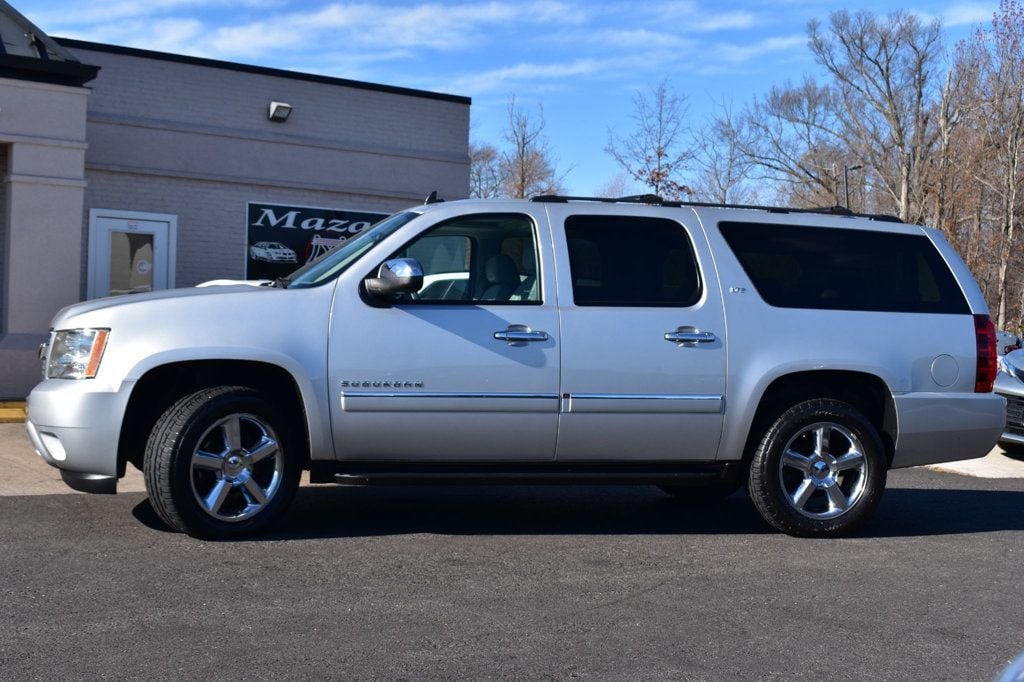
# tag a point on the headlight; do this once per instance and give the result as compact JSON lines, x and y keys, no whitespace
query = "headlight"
{"x":76,"y":353}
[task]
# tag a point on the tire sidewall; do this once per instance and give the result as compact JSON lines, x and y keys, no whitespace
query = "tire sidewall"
{"x":766,"y":486}
{"x":195,"y":518}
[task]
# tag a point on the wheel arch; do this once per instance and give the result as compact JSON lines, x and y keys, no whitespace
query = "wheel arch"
{"x":865,"y":391}
{"x":160,"y":386}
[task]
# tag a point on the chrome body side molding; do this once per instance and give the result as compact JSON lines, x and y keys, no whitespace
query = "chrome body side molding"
{"x":413,"y":401}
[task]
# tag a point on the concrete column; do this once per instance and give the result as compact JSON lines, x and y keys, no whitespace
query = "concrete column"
{"x":43,"y":127}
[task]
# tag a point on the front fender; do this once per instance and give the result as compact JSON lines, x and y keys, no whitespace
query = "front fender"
{"x":310,"y":380}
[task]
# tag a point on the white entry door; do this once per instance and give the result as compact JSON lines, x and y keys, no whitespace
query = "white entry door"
{"x":130,"y":252}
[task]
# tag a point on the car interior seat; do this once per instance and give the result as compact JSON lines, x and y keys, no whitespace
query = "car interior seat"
{"x":502,"y":278}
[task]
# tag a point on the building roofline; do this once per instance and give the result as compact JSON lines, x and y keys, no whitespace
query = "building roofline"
{"x":259,"y":70}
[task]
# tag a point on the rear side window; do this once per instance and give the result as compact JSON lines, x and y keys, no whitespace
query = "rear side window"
{"x":631,"y":262}
{"x":841,"y":269}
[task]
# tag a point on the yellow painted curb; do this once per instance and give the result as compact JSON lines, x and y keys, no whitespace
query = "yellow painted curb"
{"x":12,"y":412}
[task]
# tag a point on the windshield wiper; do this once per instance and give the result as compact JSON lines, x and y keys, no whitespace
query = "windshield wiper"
{"x":279,"y":283}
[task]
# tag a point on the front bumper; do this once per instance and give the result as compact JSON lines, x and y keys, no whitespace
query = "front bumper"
{"x":76,"y":428}
{"x":1013,"y":390}
{"x":946,"y":427}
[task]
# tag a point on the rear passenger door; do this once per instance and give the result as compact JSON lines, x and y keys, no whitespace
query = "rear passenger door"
{"x":643,"y":335}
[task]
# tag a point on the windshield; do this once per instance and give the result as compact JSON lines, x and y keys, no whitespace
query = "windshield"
{"x":338,"y":259}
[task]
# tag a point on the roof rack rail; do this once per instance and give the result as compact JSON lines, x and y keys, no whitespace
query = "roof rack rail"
{"x":655,"y":200}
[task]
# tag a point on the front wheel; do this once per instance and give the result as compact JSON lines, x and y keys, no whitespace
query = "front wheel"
{"x":819,"y":470}
{"x":220,"y":463}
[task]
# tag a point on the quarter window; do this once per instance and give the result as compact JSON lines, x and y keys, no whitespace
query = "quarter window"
{"x":631,"y":262}
{"x":844,"y":269}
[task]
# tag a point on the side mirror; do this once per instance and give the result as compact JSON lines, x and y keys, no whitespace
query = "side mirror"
{"x":396,"y":276}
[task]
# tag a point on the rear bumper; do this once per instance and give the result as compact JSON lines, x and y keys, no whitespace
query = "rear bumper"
{"x":946,"y":427}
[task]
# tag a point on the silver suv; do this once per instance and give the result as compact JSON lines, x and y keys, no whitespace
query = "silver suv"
{"x":802,"y":354}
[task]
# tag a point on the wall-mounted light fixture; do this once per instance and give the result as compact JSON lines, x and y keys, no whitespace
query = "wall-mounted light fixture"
{"x":279,"y":111}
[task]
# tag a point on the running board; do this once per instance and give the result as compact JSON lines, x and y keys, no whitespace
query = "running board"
{"x":483,"y":473}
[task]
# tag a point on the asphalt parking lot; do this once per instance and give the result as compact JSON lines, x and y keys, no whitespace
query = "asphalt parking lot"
{"x":527,"y":582}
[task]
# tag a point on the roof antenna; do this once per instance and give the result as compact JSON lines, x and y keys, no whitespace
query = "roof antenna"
{"x":432,"y":198}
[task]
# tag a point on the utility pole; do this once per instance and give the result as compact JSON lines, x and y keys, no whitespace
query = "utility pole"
{"x":846,"y":181}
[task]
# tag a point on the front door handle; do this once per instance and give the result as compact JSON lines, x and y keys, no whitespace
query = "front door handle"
{"x":519,"y":334}
{"x":689,"y":336}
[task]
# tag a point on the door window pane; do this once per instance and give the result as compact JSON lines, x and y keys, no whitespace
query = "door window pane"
{"x":477,"y":259}
{"x":131,"y":262}
{"x":631,"y":262}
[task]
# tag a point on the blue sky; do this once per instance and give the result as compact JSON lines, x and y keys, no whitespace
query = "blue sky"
{"x":581,"y":60}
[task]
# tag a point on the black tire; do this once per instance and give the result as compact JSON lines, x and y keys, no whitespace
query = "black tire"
{"x":179,"y":470}
{"x":805,"y":495}
{"x":1014,"y":450}
{"x":702,"y":494}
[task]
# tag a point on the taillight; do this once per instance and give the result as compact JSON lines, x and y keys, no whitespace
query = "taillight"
{"x":985,"y":337}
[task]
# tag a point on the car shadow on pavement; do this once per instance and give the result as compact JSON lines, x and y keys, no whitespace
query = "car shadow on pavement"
{"x":329,"y":512}
{"x":1016,"y":453}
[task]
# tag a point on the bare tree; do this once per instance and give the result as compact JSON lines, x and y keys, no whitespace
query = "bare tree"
{"x":884,"y":71}
{"x":527,"y":166}
{"x":484,"y":171}
{"x":618,"y":185}
{"x":723,"y":168}
{"x":791,"y":139}
{"x":657,"y":152}
{"x":998,"y":54}
{"x":944,"y":175}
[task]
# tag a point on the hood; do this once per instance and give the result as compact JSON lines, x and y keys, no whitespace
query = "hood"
{"x":1013,"y":364}
{"x":229,"y":282}
{"x":94,"y":305}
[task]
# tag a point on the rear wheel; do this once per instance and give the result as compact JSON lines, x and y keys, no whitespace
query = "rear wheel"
{"x":220,"y":463}
{"x":819,"y":470}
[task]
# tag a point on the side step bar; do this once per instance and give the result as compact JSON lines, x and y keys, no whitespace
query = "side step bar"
{"x":504,"y":473}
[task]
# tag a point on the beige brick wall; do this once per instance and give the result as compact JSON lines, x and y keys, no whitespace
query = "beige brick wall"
{"x":194,"y":141}
{"x":4,"y":189}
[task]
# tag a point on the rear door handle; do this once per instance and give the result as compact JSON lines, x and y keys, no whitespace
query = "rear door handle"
{"x":689,"y":336}
{"x":519,"y":334}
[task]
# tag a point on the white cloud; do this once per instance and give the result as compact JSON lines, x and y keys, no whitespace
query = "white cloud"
{"x":541,"y":76}
{"x":101,"y":11}
{"x":737,"y":54}
{"x":727,"y":21}
{"x":178,"y":36}
{"x":968,"y":13}
{"x":348,"y":64}
{"x":507,"y":76}
{"x":441,"y":27}
{"x":686,"y":16}
{"x":960,"y":14}
{"x":621,"y":39}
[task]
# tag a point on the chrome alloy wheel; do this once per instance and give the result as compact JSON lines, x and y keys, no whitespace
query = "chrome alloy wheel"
{"x":823,"y":471}
{"x":236,"y":468}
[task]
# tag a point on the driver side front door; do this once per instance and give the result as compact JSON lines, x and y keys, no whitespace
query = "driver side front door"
{"x":465,"y":370}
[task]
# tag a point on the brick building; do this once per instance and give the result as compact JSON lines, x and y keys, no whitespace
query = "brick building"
{"x":128,"y":170}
